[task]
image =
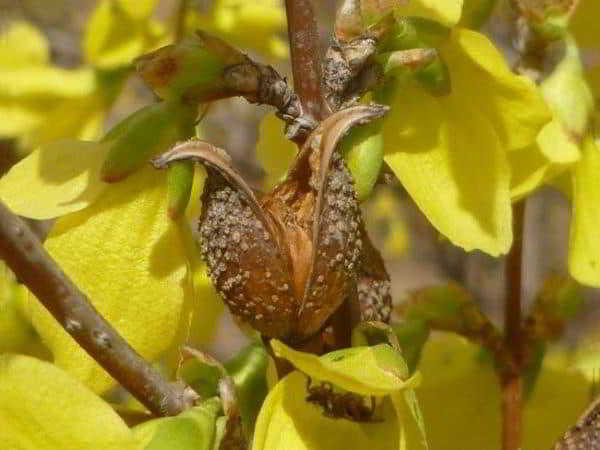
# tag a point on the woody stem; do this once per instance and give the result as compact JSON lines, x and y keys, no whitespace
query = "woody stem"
{"x":26,"y":257}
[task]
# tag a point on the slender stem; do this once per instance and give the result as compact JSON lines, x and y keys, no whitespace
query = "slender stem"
{"x":305,"y":55}
{"x":180,"y":20}
{"x":27,"y":258}
{"x":511,"y":377}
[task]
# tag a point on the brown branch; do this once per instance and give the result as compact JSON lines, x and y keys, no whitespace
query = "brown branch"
{"x":30,"y":262}
{"x":179,"y":29}
{"x":511,"y":377}
{"x":305,"y":55}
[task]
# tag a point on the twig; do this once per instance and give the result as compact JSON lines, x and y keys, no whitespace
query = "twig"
{"x":511,"y":377}
{"x":30,"y":262}
{"x":305,"y":55}
{"x":179,"y":29}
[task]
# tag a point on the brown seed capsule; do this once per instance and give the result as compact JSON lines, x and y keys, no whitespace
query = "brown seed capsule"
{"x":286,"y":263}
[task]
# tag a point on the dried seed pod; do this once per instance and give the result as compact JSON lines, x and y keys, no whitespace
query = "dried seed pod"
{"x":374,"y":287}
{"x":283,"y":265}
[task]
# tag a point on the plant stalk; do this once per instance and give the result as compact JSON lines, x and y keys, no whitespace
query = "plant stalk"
{"x":179,"y":28}
{"x":511,"y":377}
{"x":24,"y":254}
{"x":305,"y":55}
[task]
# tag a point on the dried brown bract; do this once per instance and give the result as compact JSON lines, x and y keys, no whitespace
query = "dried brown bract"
{"x":285,"y":263}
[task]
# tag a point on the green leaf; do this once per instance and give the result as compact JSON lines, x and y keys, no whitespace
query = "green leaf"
{"x":412,"y":336}
{"x":274,"y":152}
{"x":145,"y":133}
{"x":194,"y":429}
{"x":248,"y":371}
{"x":61,"y":177}
{"x":127,"y":256}
{"x":584,"y":235}
{"x":434,"y":146}
{"x":42,"y":408}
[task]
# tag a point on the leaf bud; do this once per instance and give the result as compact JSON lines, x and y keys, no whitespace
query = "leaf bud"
{"x":146,"y":132}
{"x":197,"y":62}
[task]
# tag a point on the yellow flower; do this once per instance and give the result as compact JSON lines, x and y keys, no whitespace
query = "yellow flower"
{"x":451,"y":152}
{"x":115,"y":241}
{"x":256,"y":24}
{"x":288,"y":417}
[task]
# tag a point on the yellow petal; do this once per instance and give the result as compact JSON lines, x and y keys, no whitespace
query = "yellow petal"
{"x":273,"y":150}
{"x":22,"y":45}
{"x":46,"y":81}
{"x":113,"y":38}
{"x":61,"y":177}
{"x":377,"y":370}
{"x":140,"y":9}
{"x":446,"y":12}
{"x":42,"y":408}
{"x":584,"y":242}
{"x":288,"y":421}
{"x":587,"y":40}
{"x":126,"y":255}
{"x":450,"y":160}
{"x":512,"y":103}
{"x":456,"y":374}
{"x":553,"y":153}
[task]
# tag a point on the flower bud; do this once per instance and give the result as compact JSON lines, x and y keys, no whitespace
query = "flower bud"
{"x":363,"y":152}
{"x":196,"y":62}
{"x":146,"y":132}
{"x":180,"y":178}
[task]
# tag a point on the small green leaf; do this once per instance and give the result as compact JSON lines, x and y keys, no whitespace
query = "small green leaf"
{"x":194,"y":429}
{"x":42,"y":408}
{"x":412,"y":336}
{"x":148,"y":131}
{"x":180,"y":178}
{"x":248,"y":371}
{"x":363,"y":152}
